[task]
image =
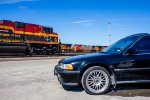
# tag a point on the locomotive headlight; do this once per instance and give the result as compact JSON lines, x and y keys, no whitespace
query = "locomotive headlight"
{"x":66,"y":66}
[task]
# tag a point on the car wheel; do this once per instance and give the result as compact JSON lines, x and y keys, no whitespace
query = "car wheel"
{"x":96,"y":80}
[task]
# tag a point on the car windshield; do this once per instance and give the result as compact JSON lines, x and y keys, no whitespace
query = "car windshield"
{"x":120,"y":45}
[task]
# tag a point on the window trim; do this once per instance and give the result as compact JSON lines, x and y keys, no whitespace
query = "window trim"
{"x":138,"y":41}
{"x":125,"y":51}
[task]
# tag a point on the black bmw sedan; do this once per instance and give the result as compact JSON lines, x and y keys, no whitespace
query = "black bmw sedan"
{"x":126,"y":61}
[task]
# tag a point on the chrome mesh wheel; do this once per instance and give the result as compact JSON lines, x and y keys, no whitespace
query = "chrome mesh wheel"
{"x":97,"y":81}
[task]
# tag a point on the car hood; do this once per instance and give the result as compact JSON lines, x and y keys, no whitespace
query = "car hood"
{"x":82,"y":57}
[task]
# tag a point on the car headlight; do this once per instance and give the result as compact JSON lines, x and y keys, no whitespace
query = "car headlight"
{"x":66,"y":66}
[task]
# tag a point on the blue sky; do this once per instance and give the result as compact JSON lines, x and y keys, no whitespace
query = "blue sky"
{"x":82,"y":21}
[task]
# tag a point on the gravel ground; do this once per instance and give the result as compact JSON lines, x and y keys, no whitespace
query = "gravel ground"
{"x":34,"y":80}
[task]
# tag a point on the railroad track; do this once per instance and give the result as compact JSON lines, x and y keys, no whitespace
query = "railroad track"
{"x":22,"y":57}
{"x":18,"y":55}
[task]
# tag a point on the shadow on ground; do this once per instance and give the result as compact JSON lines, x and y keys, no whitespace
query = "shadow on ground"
{"x":125,"y":90}
{"x":131,"y":90}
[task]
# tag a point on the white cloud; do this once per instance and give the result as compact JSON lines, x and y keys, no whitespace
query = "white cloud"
{"x":14,"y":1}
{"x":83,"y":21}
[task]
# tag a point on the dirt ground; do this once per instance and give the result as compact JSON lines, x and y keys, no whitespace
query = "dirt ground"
{"x":34,"y":80}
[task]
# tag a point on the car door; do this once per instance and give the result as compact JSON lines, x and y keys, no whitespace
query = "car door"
{"x":135,"y":67}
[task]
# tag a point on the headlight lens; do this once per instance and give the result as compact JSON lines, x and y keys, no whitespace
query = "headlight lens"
{"x":66,"y":66}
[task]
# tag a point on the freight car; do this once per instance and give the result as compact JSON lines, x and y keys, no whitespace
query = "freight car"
{"x":80,"y":48}
{"x":26,"y":37}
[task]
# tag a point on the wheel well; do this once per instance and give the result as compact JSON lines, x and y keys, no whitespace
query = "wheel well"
{"x":95,"y":64}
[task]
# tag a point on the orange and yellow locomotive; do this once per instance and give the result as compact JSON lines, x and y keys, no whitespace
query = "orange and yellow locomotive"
{"x":27,"y":38}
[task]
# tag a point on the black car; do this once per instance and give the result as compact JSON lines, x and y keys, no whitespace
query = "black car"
{"x":126,"y":61}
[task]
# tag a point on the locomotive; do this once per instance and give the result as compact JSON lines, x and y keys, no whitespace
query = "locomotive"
{"x":80,"y":48}
{"x":27,"y":38}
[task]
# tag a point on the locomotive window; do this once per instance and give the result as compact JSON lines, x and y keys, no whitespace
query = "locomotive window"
{"x":51,"y":29}
{"x":47,"y":30}
{"x":19,"y":24}
{"x":1,"y":21}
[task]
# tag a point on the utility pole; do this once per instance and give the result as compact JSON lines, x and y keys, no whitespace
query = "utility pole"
{"x":109,"y":32}
{"x":59,"y":45}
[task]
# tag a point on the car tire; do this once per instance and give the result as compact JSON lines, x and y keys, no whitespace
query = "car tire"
{"x":96,"y":80}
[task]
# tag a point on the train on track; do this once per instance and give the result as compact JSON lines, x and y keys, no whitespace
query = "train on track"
{"x":26,"y":37}
{"x":79,"y":48}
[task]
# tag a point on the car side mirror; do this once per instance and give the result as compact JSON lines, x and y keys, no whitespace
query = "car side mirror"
{"x":132,"y":51}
